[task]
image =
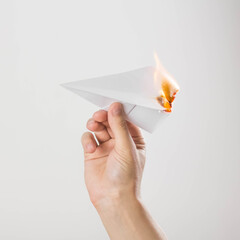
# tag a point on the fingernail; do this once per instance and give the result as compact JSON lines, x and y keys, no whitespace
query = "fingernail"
{"x":117,"y":110}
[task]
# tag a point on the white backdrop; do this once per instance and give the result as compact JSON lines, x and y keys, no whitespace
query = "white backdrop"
{"x":192,"y":176}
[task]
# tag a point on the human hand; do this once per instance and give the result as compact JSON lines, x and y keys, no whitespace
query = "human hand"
{"x":114,"y":167}
{"x":113,"y":173}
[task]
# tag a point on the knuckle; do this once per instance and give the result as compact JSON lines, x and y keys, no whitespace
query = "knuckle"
{"x":90,"y":123}
{"x":85,"y":136}
{"x":122,"y":124}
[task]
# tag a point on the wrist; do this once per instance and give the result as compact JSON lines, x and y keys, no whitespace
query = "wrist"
{"x":116,"y":202}
{"x":125,"y":217}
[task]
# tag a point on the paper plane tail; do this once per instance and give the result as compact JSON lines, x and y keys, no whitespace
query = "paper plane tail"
{"x":146,"y":118}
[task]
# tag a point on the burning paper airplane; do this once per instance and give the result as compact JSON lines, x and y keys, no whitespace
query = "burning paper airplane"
{"x":146,"y":93}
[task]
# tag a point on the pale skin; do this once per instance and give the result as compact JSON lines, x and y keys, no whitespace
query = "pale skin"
{"x":113,"y":173}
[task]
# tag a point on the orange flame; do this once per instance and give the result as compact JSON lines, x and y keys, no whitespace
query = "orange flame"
{"x":166,"y":85}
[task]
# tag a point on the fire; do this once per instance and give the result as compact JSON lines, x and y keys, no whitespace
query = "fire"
{"x":166,"y":85}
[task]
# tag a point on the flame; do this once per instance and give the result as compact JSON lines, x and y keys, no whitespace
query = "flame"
{"x":166,"y":85}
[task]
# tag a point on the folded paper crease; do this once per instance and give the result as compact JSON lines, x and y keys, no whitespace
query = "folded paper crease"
{"x":134,"y":89}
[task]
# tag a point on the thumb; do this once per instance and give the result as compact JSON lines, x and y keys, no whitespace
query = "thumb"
{"x":118,"y":125}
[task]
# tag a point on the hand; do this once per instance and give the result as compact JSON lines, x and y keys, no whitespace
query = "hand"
{"x":113,"y":173}
{"x":114,"y":167}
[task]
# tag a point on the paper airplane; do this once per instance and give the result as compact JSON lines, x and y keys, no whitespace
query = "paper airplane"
{"x":134,"y":89}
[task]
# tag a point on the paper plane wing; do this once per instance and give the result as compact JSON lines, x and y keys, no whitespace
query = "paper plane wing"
{"x":134,"y":89}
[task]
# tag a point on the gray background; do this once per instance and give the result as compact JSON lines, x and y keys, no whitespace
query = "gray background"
{"x":191,"y":181}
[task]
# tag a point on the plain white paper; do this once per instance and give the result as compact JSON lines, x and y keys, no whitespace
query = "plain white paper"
{"x":134,"y":89}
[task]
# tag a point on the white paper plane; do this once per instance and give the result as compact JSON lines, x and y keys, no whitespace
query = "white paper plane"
{"x":134,"y":89}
